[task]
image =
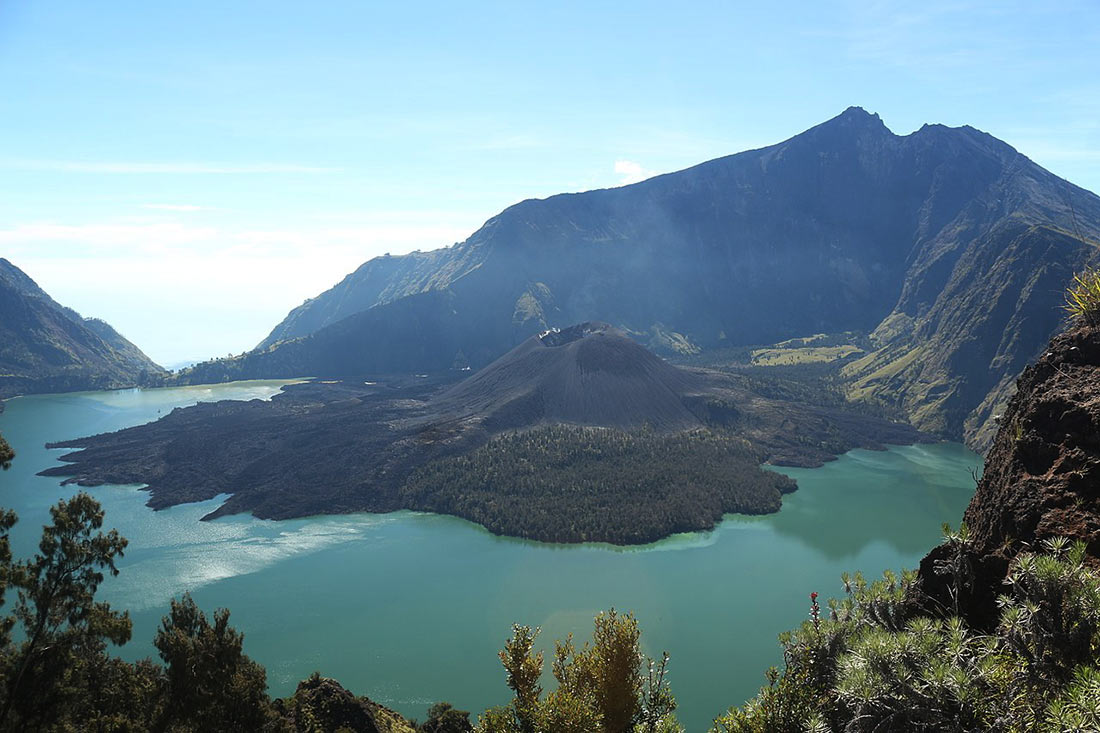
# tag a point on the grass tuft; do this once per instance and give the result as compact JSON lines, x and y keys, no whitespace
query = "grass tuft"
{"x":1083,"y":297}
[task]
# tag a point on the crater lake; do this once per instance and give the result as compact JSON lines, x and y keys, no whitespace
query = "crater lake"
{"x":410,"y":608}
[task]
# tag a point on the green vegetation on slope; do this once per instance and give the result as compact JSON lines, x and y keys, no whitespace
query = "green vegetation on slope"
{"x":869,"y":663}
{"x":571,"y":484}
{"x":804,"y":355}
{"x":1083,"y":297}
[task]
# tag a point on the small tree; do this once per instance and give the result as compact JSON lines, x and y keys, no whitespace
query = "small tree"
{"x":212,"y":684}
{"x":6,"y":454}
{"x":65,"y":629}
{"x":7,"y":521}
{"x":524,"y":669}
{"x":600,"y":687}
{"x":444,"y":718}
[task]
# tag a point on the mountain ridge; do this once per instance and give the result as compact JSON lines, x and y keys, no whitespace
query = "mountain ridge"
{"x":844,"y":227}
{"x":47,"y":347}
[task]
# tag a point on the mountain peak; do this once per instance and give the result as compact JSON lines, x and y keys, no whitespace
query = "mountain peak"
{"x":587,"y":374}
{"x":16,"y":278}
{"x":857,"y":117}
{"x":852,"y":123}
{"x":857,"y":112}
{"x":560,"y":337}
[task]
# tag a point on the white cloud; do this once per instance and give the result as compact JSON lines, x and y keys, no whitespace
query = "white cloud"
{"x":631,"y":172}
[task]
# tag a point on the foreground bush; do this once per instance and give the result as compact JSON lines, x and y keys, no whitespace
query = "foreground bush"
{"x":57,"y":675}
{"x":869,"y":662}
{"x":601,"y":687}
{"x":866,"y":665}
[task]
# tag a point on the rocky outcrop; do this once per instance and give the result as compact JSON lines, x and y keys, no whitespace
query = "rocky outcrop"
{"x":323,"y":704}
{"x":1041,"y":477}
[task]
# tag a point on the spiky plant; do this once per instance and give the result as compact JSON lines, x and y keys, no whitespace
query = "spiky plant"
{"x":1079,"y":708}
{"x":872,"y":667}
{"x":1083,"y":297}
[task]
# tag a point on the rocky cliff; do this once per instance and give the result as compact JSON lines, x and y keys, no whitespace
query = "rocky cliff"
{"x":1042,"y":474}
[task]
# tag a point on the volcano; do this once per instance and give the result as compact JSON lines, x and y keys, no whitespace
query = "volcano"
{"x":587,"y":374}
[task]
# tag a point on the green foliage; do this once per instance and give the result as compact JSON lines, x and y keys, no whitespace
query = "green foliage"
{"x":322,"y":705}
{"x":573,"y":484}
{"x":211,"y":683}
{"x":600,"y":687}
{"x":65,"y":630}
{"x":444,"y":718}
{"x":1051,"y":614}
{"x":1083,"y":297}
{"x":524,"y":669}
{"x":6,"y":454}
{"x":1079,"y":708}
{"x":873,"y":666}
{"x":7,"y":521}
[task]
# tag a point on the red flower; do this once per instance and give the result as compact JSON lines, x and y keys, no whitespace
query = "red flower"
{"x":813,"y":596}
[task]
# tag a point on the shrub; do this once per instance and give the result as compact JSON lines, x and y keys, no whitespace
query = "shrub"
{"x":1083,"y":297}
{"x":601,"y":687}
{"x":873,"y":666}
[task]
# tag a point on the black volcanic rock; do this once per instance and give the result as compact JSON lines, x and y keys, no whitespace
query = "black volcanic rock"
{"x":45,"y":347}
{"x":947,"y":245}
{"x":663,"y":449}
{"x":1041,"y":477}
{"x":589,"y":374}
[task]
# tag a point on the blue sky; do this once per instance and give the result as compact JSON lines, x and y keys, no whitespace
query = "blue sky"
{"x":191,"y":171}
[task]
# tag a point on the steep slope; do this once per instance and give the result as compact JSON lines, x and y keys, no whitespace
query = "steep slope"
{"x":982,"y":296}
{"x":377,"y":281}
{"x":589,"y":374}
{"x":1042,"y":475}
{"x":45,"y":347}
{"x":940,"y":242}
{"x":690,"y":253}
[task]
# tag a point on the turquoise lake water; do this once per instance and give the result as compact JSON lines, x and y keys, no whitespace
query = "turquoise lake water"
{"x":411,"y":608}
